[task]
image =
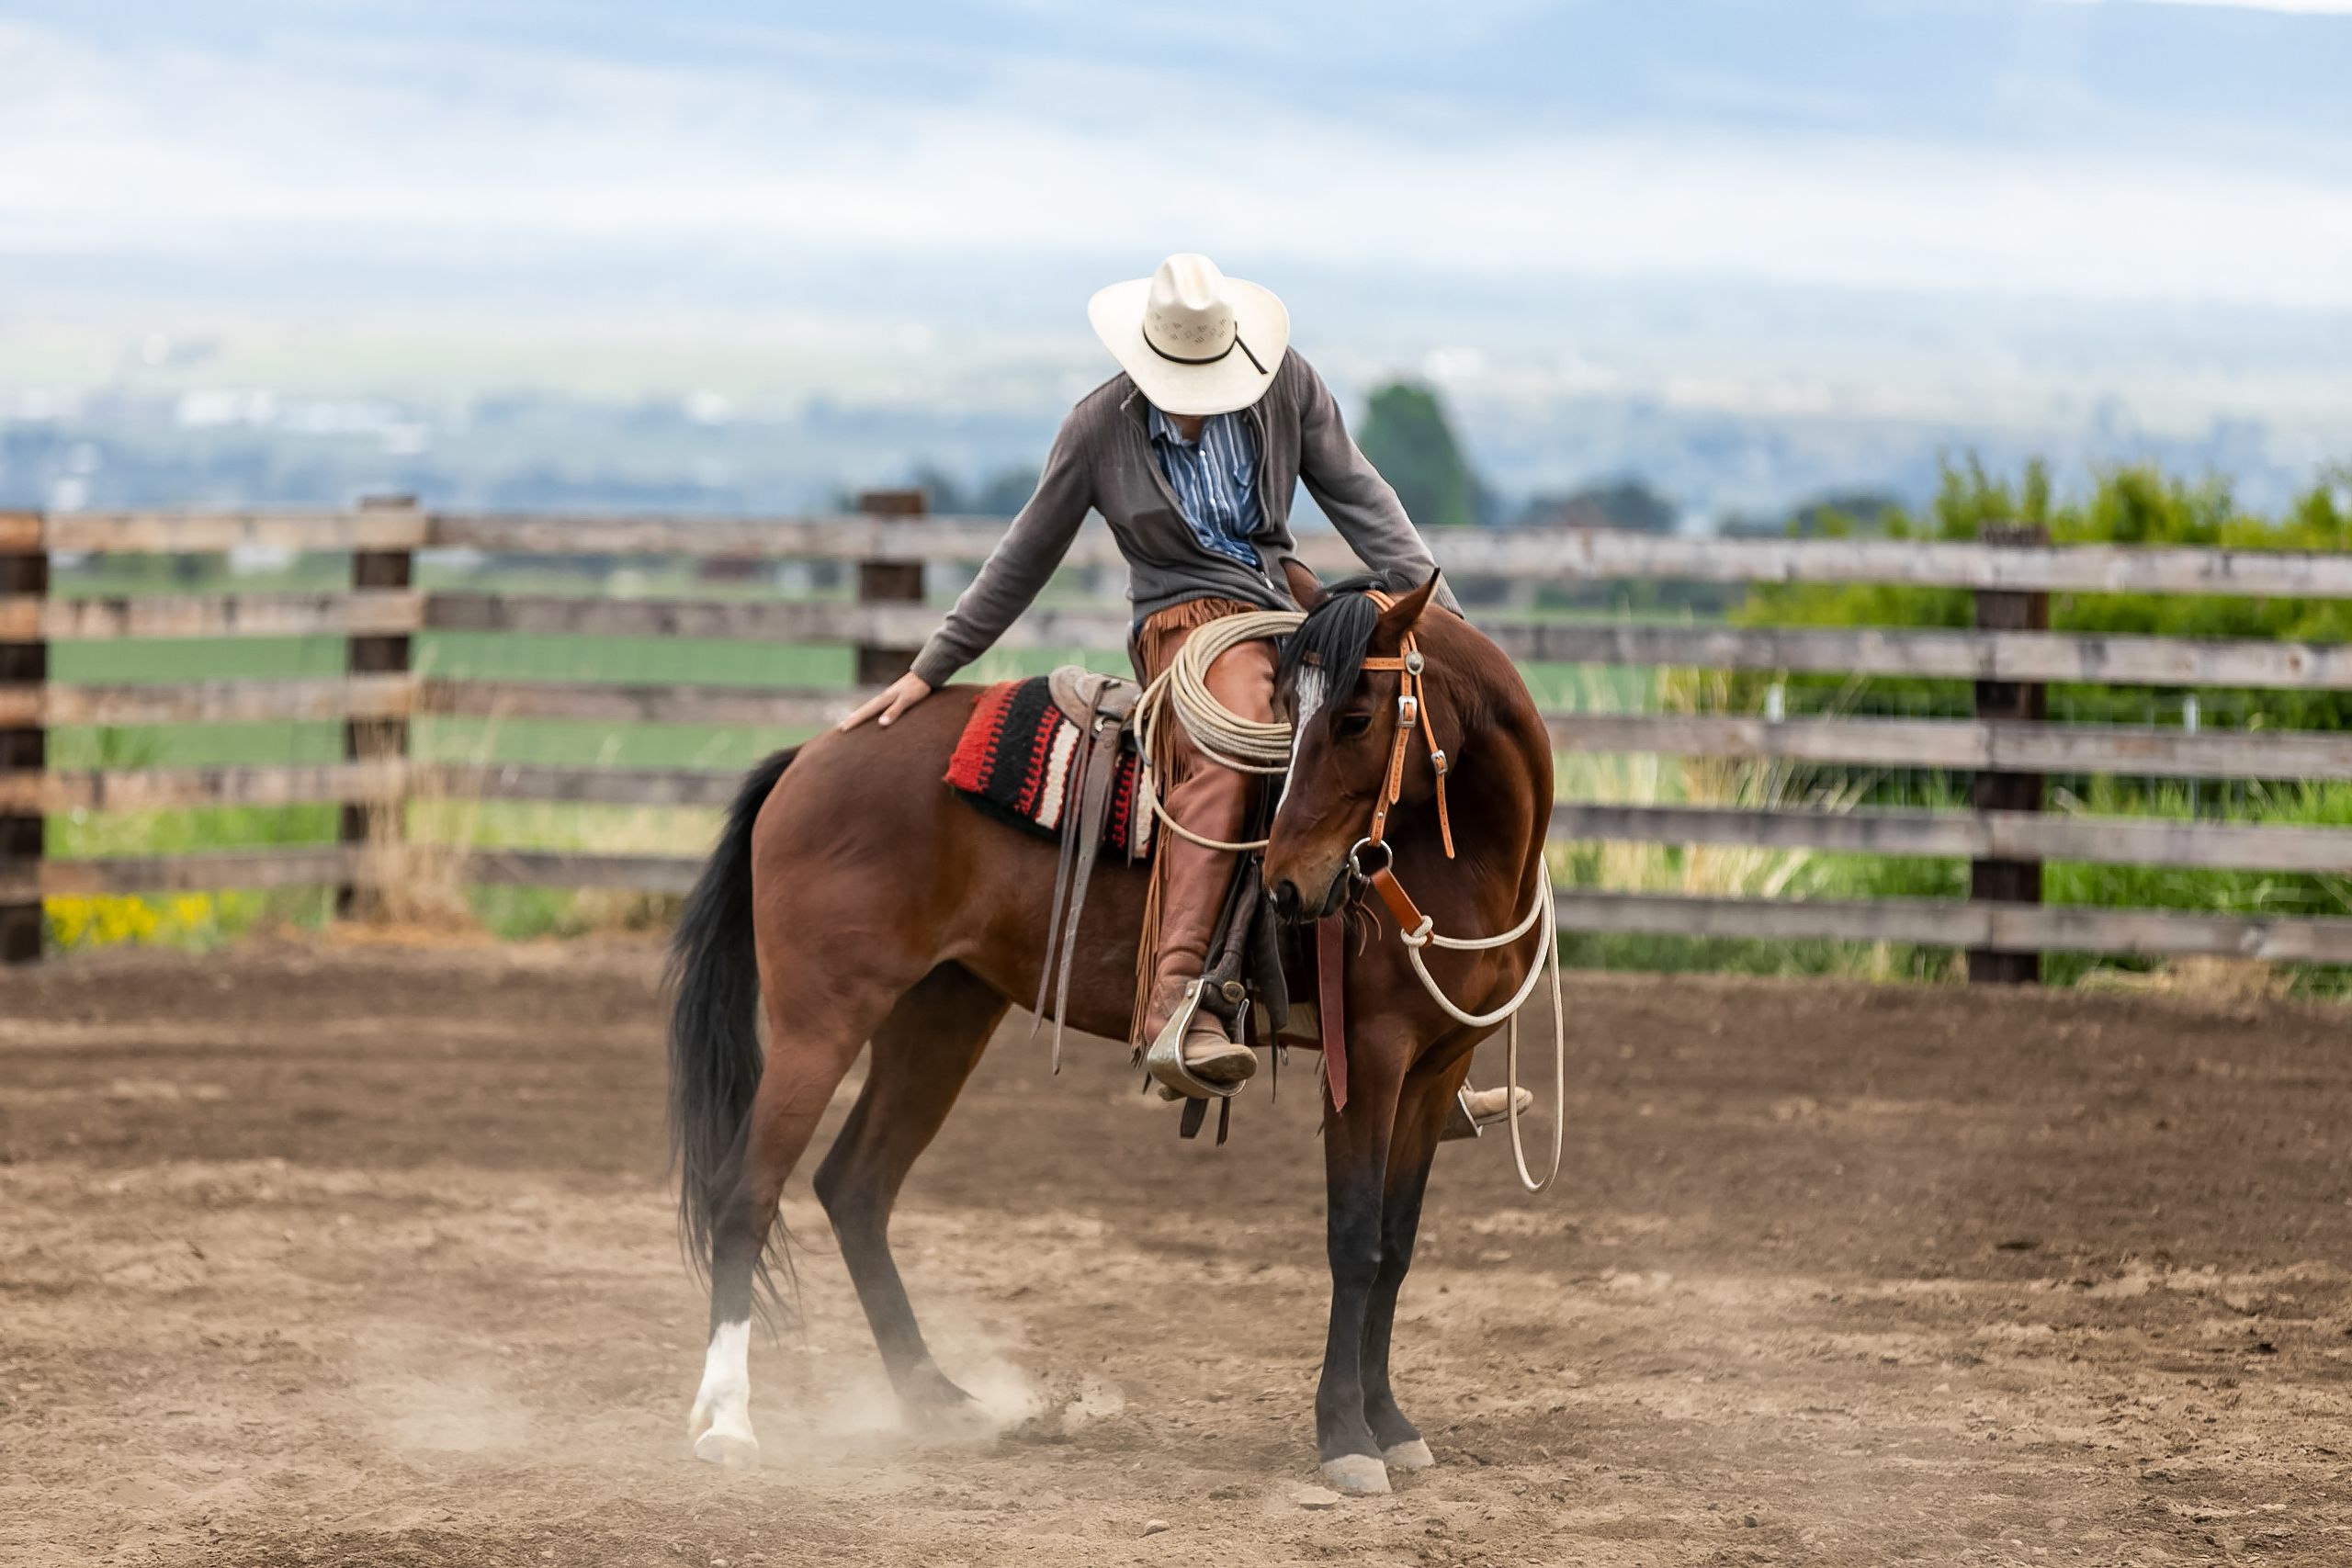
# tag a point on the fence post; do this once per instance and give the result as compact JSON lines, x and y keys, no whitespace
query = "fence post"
{"x":24,"y":666}
{"x":889,"y":582}
{"x":2008,"y":881}
{"x":366,"y":822}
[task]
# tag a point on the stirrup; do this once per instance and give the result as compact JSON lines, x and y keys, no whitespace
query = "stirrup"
{"x":1165,"y":1059}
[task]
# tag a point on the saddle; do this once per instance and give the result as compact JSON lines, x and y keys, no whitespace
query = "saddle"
{"x":1057,"y":755}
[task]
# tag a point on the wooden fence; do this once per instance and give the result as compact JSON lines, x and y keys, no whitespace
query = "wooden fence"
{"x":2007,"y":746}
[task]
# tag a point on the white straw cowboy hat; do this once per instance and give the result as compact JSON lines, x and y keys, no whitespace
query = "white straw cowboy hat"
{"x":1196,"y":340}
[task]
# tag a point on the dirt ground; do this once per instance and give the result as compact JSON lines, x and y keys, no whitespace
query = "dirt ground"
{"x":365,"y":1257}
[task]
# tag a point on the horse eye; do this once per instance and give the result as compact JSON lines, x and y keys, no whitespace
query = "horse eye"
{"x":1348,"y":726}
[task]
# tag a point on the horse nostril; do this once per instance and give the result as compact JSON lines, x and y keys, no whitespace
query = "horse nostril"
{"x":1286,"y":898}
{"x":1335,"y":894}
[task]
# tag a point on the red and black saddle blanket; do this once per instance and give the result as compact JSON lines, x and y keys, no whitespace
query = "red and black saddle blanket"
{"x":1018,"y":761}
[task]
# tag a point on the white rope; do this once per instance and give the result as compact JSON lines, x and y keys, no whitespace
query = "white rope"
{"x":1415,"y":940}
{"x":1546,"y":963}
{"x":1224,"y":737}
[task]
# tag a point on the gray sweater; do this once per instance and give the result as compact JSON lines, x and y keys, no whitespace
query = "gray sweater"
{"x":1102,"y":460}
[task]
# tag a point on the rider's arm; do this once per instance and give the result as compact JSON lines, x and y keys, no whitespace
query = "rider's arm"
{"x":1361,"y":504}
{"x":1017,"y":568}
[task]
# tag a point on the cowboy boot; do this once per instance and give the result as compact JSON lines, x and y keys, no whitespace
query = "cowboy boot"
{"x":1215,"y":802}
{"x":1192,"y":895}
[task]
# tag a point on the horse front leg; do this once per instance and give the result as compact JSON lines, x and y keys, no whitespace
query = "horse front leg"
{"x":1355,"y":1169}
{"x":1421,"y":1116}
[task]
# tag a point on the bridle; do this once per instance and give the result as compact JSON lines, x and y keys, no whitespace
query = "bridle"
{"x":1413,"y":718}
{"x":1417,"y":930}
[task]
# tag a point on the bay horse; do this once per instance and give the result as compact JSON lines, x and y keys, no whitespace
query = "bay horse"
{"x":856,"y":896}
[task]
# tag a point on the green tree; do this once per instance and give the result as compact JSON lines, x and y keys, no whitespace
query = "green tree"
{"x":1409,"y":440}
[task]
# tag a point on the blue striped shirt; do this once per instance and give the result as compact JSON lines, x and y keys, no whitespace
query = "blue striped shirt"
{"x":1215,"y":480}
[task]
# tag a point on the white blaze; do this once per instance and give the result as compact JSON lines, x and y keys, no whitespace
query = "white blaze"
{"x":1309,"y":692}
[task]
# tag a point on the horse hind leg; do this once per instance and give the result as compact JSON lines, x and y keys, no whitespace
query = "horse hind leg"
{"x":813,"y":1037}
{"x":922,"y":1056}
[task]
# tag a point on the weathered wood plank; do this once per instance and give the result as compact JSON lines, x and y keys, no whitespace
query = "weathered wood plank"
{"x":2071,"y":568}
{"x":851,"y":539}
{"x":1964,"y":743}
{"x":330,"y":697}
{"x":1954,"y":655}
{"x":712,"y":787}
{"x":1561,"y":553}
{"x":218,"y":614}
{"x":756,"y":620}
{"x":154,"y":788}
{"x":1960,"y":835}
{"x":24,"y":747}
{"x":788,"y":707}
{"x":213,"y":532}
{"x":303,"y":866}
{"x":536,"y":868}
{"x":2017,"y":928}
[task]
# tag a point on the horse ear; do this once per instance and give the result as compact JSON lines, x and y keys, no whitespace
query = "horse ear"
{"x":1400,"y":616}
{"x":1304,"y":586}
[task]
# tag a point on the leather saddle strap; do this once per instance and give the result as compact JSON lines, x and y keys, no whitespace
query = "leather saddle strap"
{"x":1094,"y":810}
{"x":1331,"y":993}
{"x":1061,"y":905}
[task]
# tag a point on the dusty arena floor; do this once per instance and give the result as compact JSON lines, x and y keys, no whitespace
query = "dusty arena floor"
{"x":365,"y":1257}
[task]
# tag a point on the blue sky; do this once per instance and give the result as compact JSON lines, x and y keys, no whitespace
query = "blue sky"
{"x":1832,"y":199}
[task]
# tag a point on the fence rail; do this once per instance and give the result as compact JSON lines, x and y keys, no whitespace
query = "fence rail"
{"x":1566,"y":556}
{"x":2006,"y":657}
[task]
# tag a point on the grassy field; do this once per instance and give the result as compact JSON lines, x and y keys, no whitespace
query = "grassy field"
{"x":1722,"y":870}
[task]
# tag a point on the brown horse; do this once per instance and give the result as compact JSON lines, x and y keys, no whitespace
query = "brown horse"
{"x":861,"y":902}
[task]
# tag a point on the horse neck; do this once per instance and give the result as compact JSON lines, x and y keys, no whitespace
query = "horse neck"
{"x":1498,"y":788}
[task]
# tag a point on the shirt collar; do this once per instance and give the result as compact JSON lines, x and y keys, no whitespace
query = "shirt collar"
{"x":1164,"y":428}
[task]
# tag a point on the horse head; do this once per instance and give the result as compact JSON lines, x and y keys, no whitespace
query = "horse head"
{"x":1346,"y":721}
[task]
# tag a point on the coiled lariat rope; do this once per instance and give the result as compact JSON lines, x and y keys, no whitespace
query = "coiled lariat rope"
{"x":1259,"y":745}
{"x":1224,"y":737}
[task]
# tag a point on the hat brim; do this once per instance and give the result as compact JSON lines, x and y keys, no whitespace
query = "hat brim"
{"x":1220,"y":387}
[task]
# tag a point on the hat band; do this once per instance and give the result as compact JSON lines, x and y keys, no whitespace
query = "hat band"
{"x":1206,"y":358}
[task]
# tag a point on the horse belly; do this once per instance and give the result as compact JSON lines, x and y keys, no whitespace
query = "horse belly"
{"x":868,"y":858}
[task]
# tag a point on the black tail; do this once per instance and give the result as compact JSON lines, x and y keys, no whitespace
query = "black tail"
{"x":715,"y":1020}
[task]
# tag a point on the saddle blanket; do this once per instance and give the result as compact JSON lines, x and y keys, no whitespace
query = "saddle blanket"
{"x":1017,"y":760}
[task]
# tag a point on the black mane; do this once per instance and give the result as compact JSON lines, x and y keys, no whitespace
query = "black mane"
{"x":1334,"y":638}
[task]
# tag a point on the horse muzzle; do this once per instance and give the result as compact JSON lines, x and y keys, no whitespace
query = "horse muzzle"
{"x":1293,"y":906}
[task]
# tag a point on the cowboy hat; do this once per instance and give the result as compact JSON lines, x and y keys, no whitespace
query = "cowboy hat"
{"x":1196,"y":340}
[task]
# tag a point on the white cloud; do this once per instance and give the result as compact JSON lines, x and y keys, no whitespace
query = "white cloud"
{"x":512,"y":156}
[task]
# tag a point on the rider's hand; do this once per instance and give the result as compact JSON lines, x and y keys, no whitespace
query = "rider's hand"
{"x":891,"y":701}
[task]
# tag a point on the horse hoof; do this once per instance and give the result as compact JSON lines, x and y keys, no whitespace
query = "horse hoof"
{"x":929,"y":1397}
{"x":1412,"y":1455}
{"x":731,"y":1451}
{"x":1358,"y":1475}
